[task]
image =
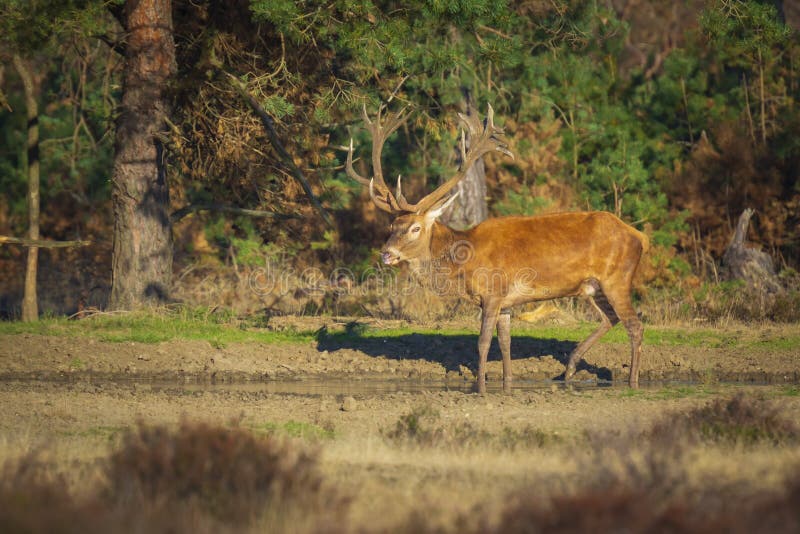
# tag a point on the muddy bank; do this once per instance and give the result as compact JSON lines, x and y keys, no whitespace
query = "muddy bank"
{"x":449,"y":359}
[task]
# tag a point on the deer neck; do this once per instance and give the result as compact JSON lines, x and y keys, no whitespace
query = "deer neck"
{"x":440,"y":258}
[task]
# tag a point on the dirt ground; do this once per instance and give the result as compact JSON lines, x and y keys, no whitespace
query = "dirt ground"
{"x":74,"y":397}
{"x":413,"y":357}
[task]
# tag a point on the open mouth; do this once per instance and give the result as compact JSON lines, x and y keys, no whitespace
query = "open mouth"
{"x":389,"y":258}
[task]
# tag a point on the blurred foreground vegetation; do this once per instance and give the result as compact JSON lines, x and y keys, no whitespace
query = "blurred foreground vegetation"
{"x":206,"y":477}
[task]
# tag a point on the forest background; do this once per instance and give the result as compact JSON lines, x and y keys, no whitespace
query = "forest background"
{"x":676,"y":116}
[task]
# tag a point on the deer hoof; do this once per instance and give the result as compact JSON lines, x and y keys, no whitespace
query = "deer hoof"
{"x":570,"y":372}
{"x":479,"y":387}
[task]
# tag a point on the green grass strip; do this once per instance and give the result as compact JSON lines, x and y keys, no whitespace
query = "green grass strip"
{"x":220,"y":330}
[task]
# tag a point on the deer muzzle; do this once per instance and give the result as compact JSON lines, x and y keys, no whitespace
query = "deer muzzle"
{"x":389,"y":256}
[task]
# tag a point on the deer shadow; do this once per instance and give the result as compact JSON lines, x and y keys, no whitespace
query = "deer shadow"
{"x":451,"y":350}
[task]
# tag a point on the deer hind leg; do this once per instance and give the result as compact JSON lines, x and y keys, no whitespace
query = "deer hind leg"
{"x":504,"y":339}
{"x":608,"y":318}
{"x":620,"y":300}
{"x":488,"y":323}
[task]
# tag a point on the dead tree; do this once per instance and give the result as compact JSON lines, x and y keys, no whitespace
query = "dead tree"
{"x":30,"y":307}
{"x":751,"y":265}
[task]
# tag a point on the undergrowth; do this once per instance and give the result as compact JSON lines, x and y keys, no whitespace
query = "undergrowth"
{"x":196,"y":478}
{"x":202,"y":478}
{"x":423,"y":426}
{"x":742,"y":419}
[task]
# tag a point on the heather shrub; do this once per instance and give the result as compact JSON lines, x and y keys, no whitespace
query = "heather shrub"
{"x":741,"y":419}
{"x":229,"y":473}
{"x":33,"y":498}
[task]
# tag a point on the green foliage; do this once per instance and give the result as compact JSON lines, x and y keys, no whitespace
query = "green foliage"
{"x":251,"y":252}
{"x":626,"y":134}
{"x":744,"y":31}
{"x":217,"y":328}
{"x":521,"y":204}
{"x":76,"y":101}
{"x":28,"y":26}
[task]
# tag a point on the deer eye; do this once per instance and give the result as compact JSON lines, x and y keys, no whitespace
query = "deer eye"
{"x":415,"y":229}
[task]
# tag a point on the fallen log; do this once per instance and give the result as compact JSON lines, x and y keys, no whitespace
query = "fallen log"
{"x":41,"y":243}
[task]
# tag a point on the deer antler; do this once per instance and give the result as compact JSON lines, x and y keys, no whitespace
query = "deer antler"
{"x":380,"y":130}
{"x":484,"y":138}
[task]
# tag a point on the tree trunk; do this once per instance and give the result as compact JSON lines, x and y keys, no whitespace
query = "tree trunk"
{"x":142,"y":255}
{"x":30,"y":306}
{"x":750,"y":265}
{"x":469,"y":208}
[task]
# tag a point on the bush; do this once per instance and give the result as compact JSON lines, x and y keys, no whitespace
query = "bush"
{"x":422,"y":426}
{"x":35,"y":499}
{"x":228,"y":472}
{"x":741,"y":419}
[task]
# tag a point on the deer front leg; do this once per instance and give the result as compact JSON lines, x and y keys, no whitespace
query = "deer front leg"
{"x":504,"y":339}
{"x":488,"y":323}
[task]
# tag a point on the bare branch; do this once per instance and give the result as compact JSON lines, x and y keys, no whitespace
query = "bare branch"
{"x":269,"y":127}
{"x":41,"y":243}
{"x":177,"y":215}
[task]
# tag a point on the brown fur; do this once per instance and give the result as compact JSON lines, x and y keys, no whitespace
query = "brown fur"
{"x":508,"y":261}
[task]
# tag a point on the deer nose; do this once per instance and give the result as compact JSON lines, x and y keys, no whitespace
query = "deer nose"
{"x":389,"y":256}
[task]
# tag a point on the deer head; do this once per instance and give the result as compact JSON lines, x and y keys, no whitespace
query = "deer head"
{"x":412,"y":229}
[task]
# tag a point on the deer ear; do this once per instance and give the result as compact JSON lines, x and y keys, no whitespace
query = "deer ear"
{"x":438,"y":208}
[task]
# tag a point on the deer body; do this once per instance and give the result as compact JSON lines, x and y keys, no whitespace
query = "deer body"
{"x":508,"y":261}
{"x":525,"y":259}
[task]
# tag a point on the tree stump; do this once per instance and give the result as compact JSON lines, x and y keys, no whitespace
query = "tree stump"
{"x":750,"y":265}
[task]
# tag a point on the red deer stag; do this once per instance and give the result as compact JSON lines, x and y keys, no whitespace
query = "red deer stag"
{"x":506,"y":261}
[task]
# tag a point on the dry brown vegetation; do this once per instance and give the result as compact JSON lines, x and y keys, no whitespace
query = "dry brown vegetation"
{"x":160,"y":479}
{"x":202,"y":477}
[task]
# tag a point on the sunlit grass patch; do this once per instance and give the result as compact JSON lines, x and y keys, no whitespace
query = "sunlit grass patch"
{"x":630,"y":393}
{"x":220,"y":328}
{"x":102,"y":432}
{"x":682,"y":392}
{"x":295,"y":429}
{"x":653,"y":335}
{"x":668,"y":392}
{"x":155,"y":328}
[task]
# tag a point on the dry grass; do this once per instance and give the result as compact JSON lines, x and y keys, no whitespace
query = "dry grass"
{"x":423,"y":426}
{"x":196,"y":478}
{"x":33,"y":498}
{"x":424,"y":470}
{"x":228,"y":472}
{"x":742,"y":419}
{"x":707,"y":469}
{"x":653,"y":501}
